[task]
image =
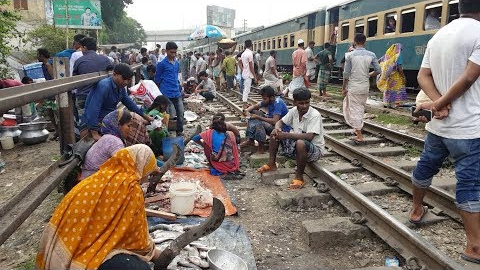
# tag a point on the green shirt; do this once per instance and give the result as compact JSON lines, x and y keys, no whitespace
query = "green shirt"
{"x":324,"y":59}
{"x":229,"y":65}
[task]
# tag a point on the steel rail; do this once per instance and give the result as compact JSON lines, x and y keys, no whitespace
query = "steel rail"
{"x":413,"y":247}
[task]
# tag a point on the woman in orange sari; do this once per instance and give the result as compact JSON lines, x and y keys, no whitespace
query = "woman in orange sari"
{"x":101,"y":223}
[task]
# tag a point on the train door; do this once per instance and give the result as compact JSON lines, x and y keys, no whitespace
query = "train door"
{"x":311,"y":26}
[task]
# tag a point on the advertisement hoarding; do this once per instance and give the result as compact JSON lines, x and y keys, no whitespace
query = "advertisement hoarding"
{"x":220,"y":16}
{"x":81,"y":14}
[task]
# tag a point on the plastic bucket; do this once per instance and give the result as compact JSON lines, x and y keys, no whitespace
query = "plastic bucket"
{"x":182,"y":197}
{"x":7,"y":142}
{"x":167,"y":148}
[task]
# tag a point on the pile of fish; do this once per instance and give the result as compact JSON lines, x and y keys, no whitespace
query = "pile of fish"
{"x":193,"y":256}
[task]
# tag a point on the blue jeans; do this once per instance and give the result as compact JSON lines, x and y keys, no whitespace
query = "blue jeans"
{"x":80,"y":102}
{"x":178,"y":104}
{"x":466,"y":155}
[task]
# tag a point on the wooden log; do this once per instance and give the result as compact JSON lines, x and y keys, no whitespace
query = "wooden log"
{"x":160,"y":214}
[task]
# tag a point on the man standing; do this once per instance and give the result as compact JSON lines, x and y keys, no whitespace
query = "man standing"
{"x":162,"y":55}
{"x":229,"y":67}
{"x":217,"y":67}
{"x":324,"y":72}
{"x":193,"y":64}
{"x":113,"y":54}
{"x":201,"y":64}
{"x":166,"y":78}
{"x":356,"y":84}
{"x":143,"y":53}
{"x":248,"y":73}
{"x":271,"y":74}
{"x":299,"y":60}
{"x":310,"y":61}
{"x":258,"y":63}
{"x":449,"y":75}
{"x":152,"y":58}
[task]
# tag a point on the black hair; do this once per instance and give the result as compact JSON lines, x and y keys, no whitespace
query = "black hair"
{"x":88,"y":8}
{"x":160,"y":100}
{"x":272,"y":52}
{"x":327,"y":45}
{"x":89,"y":42}
{"x":158,"y":45}
{"x":228,"y":52}
{"x":44,"y":52}
{"x":113,"y":48}
{"x":301,"y":94}
{"x":468,"y":6}
{"x":360,"y":38}
{"x":143,"y":50}
{"x":144,"y":60}
{"x":203,"y":74}
{"x":171,"y":45}
{"x":27,"y":80}
{"x":124,"y":70}
{"x":125,"y":118}
{"x":218,"y":123}
{"x":311,"y":42}
{"x":248,"y":43}
{"x":267,"y":91}
{"x":78,"y":37}
{"x":151,"y":68}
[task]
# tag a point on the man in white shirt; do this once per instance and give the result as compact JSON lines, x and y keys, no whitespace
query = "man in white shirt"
{"x":311,"y":64}
{"x":248,"y":72}
{"x":113,"y":55}
{"x":449,"y":75}
{"x":162,"y":55}
{"x":201,"y":65}
{"x":193,"y":64}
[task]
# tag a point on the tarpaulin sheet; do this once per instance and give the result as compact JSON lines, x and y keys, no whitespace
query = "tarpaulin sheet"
{"x":229,"y":236}
{"x":213,"y":183}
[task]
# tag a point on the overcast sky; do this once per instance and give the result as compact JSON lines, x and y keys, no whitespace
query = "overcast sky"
{"x":187,"y":14}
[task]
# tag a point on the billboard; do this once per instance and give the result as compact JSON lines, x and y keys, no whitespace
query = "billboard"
{"x":220,"y":16}
{"x":81,"y":14}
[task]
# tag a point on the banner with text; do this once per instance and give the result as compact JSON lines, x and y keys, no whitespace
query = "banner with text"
{"x":81,"y":14}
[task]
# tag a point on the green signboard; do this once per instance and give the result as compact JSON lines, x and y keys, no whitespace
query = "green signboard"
{"x":80,"y":13}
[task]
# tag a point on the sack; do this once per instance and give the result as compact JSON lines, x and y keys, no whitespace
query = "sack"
{"x":146,"y":91}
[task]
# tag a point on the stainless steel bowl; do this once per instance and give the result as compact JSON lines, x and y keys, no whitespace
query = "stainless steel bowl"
{"x":10,"y":131}
{"x":33,"y":133}
{"x":223,"y":260}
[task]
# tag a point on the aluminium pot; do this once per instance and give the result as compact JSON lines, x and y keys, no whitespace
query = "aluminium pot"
{"x":10,"y":131}
{"x":33,"y":133}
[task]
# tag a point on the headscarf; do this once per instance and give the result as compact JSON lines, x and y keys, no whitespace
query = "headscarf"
{"x":110,"y":123}
{"x":389,"y":79}
{"x":102,"y":216}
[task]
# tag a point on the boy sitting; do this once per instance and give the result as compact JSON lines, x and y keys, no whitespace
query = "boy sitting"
{"x":305,"y":143}
{"x":207,"y":87}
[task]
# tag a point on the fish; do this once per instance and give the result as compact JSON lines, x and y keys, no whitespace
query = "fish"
{"x":192,"y":251}
{"x":167,"y":227}
{"x":198,"y":261}
{"x":200,"y":246}
{"x":186,"y":263}
{"x":163,"y":239}
{"x":165,"y":234}
{"x":203,"y":254}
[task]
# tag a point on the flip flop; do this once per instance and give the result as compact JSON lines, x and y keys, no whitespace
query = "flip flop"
{"x":357,"y":142}
{"x":296,"y":184}
{"x":470,"y":259}
{"x":418,"y":222}
{"x":265,"y":168}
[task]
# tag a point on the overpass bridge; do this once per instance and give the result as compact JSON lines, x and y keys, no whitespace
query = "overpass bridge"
{"x":168,"y":35}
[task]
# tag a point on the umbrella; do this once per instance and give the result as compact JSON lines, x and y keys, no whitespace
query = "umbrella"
{"x":207,"y":31}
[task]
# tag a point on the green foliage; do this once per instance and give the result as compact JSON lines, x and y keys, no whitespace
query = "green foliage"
{"x":118,"y":27}
{"x":27,"y":265}
{"x":8,"y":19}
{"x":393,"y":119}
{"x":51,"y":38}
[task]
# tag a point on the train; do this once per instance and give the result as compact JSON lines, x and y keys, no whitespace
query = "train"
{"x":338,"y":24}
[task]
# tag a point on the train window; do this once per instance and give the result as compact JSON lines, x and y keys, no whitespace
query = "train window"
{"x":264,"y":46}
{"x":313,"y":35}
{"x":360,"y":26}
{"x":292,"y":40}
{"x":255,"y":46}
{"x":433,"y":16}
{"x":345,"y":30}
{"x":408,"y":20}
{"x":302,"y":25}
{"x":285,"y":42}
{"x":268,"y":45}
{"x":390,"y":23}
{"x":273,"y":43}
{"x":279,"y":42}
{"x":372,"y":27}
{"x":453,"y":12}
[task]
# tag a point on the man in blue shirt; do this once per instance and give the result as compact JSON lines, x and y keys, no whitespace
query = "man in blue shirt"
{"x":105,"y":97}
{"x":167,"y":79}
{"x":88,"y":63}
{"x":259,"y":125}
{"x":76,"y":46}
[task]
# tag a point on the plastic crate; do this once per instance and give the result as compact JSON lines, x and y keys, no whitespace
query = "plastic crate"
{"x":34,"y":70}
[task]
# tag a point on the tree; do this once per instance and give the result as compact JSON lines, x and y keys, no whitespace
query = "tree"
{"x":8,"y":21}
{"x":51,"y":38}
{"x":118,"y":27}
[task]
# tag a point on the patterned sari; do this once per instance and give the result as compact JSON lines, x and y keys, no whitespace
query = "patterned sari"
{"x":390,"y":81}
{"x":102,"y":216}
{"x":227,"y":159}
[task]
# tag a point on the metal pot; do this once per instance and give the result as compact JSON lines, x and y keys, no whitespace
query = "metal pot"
{"x":33,"y":133}
{"x":10,"y":131}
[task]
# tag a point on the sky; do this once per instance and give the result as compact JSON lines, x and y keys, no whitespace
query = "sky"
{"x":188,"y":14}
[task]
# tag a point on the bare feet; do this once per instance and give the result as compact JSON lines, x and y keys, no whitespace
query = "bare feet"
{"x":247,"y":144}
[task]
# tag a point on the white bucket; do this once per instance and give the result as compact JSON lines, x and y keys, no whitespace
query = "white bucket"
{"x":182,"y":197}
{"x":7,"y":142}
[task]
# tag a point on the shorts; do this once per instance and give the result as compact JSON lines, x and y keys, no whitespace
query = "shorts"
{"x":466,"y":155}
{"x":288,"y":149}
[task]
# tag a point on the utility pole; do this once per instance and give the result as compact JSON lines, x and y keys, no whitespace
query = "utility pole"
{"x":244,"y":25}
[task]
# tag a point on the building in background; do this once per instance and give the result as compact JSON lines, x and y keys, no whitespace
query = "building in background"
{"x":221,"y":17}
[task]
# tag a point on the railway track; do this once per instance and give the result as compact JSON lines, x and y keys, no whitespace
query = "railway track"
{"x":364,"y":179}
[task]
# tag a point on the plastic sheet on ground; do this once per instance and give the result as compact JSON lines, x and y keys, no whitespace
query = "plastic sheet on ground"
{"x":229,"y":236}
{"x":213,"y":183}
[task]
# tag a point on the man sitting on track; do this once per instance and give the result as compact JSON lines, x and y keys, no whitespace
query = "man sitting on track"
{"x":259,"y":125}
{"x":305,"y":143}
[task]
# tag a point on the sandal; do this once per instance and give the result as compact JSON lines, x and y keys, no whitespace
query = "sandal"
{"x":265,"y":168}
{"x":357,"y":142}
{"x":296,"y":184}
{"x":418,"y":222}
